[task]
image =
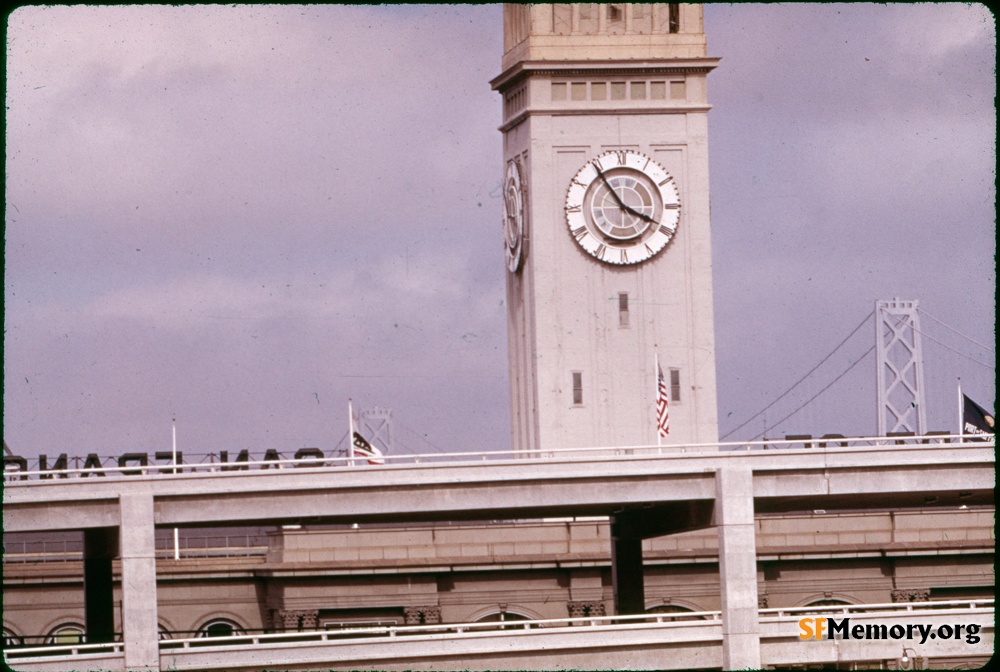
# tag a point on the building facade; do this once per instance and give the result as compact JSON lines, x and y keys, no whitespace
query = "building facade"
{"x":606,"y":222}
{"x":336,"y":578}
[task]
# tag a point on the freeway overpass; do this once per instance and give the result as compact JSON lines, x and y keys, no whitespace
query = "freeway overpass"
{"x":647,"y":491}
{"x":647,"y":642}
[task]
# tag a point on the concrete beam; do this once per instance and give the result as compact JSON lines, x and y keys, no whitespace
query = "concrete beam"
{"x":541,"y":497}
{"x":58,"y":513}
{"x":662,"y":519}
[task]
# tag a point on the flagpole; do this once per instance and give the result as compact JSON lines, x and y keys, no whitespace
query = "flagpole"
{"x":350,"y":433}
{"x":350,"y":441}
{"x":961,"y":415}
{"x":656,"y":396}
{"x":173,"y":453}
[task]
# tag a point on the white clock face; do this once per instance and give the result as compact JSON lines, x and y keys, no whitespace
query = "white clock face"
{"x":622,"y":207}
{"x":513,"y":217}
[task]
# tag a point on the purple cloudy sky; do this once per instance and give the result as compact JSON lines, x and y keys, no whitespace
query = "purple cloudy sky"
{"x":242,"y":216}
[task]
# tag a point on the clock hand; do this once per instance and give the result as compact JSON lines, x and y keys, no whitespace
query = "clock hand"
{"x":618,"y":199}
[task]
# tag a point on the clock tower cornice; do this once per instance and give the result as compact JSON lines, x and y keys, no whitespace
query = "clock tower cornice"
{"x":598,"y":111}
{"x":523,"y":70}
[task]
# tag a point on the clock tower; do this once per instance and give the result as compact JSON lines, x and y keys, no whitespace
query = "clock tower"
{"x":606,"y":224}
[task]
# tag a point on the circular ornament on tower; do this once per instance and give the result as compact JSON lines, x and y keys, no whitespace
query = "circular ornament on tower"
{"x":622,"y":207}
{"x":513,"y":216}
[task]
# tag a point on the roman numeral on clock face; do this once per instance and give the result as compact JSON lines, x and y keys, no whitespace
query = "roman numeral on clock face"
{"x":574,"y":208}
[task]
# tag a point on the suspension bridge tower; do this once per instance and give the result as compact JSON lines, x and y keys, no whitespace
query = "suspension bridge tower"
{"x":900,"y":368}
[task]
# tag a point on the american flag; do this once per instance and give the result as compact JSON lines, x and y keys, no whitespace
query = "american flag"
{"x":662,"y":412}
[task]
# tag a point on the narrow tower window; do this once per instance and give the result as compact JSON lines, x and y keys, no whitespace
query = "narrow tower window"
{"x":675,"y":385}
{"x":675,"y":18}
{"x":623,"y":309}
{"x":577,"y":388}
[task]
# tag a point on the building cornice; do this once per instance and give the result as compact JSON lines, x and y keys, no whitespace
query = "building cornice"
{"x":600,"y":111}
{"x":665,"y":66}
{"x":596,"y":560}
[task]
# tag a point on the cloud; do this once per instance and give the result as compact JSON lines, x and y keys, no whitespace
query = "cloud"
{"x":242,"y":216}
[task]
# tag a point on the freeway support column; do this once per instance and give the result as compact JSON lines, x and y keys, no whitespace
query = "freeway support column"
{"x":626,"y":570}
{"x":737,"y":568}
{"x":100,"y":547}
{"x":138,"y":558}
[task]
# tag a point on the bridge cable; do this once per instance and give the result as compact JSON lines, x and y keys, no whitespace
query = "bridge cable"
{"x":946,"y":326}
{"x":418,"y":435}
{"x":812,"y":398}
{"x":948,"y":347}
{"x":809,"y":373}
{"x":337,"y":445}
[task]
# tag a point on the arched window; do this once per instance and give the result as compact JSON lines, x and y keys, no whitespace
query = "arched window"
{"x":220,"y":627}
{"x":826,"y":602}
{"x":502,"y":617}
{"x":69,"y":633}
{"x":675,"y":609}
{"x":11,"y":639}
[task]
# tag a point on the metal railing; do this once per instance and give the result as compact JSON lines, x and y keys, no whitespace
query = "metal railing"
{"x":214,"y":546}
{"x":204,"y":546}
{"x":781,"y":613}
{"x":687,"y":618}
{"x":43,"y":550}
{"x":698,"y":619}
{"x":74,"y":650}
{"x":671,"y":619}
{"x":681,"y":619}
{"x":18,"y":471}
